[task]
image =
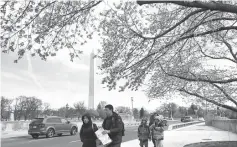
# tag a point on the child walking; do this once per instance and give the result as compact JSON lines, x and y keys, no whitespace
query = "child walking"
{"x":144,"y":133}
{"x":157,"y":132}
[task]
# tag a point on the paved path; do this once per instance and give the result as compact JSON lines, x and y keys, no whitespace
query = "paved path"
{"x":63,"y":141}
{"x":190,"y":134}
{"x":10,"y":134}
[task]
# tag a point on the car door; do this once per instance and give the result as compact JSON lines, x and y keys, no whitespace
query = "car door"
{"x":66,"y":127}
{"x":56,"y":123}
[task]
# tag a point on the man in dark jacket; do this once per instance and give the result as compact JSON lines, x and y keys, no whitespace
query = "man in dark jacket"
{"x":113,"y":126}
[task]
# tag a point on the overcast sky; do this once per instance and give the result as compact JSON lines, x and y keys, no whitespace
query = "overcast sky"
{"x":59,"y":81}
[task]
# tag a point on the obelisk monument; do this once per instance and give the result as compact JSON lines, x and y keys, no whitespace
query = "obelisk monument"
{"x":91,"y":82}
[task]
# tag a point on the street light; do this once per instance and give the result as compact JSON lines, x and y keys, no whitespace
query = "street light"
{"x":132,"y":106}
{"x":132,"y":102}
{"x":170,"y":107}
{"x":67,"y":106}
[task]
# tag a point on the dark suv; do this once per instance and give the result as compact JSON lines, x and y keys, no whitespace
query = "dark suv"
{"x":50,"y":126}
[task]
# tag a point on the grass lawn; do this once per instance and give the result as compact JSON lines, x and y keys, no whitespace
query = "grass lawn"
{"x":214,"y":144}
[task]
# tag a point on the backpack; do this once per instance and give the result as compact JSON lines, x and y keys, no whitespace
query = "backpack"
{"x":116,"y":118}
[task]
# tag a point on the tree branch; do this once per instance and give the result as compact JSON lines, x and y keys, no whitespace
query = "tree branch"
{"x":26,"y":25}
{"x":213,"y":6}
{"x":230,"y":49}
{"x":208,"y":32}
{"x":23,"y":12}
{"x":180,"y":22}
{"x":199,"y":79}
{"x":212,"y":56}
{"x":209,"y":100}
{"x":225,"y":93}
{"x":187,"y":37}
{"x":84,"y":8}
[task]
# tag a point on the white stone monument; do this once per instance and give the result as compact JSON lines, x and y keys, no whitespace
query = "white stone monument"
{"x":91,"y":82}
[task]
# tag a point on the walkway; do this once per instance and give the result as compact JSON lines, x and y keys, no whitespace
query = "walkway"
{"x":190,"y":134}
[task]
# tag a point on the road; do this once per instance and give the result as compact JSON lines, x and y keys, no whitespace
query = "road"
{"x":63,"y":141}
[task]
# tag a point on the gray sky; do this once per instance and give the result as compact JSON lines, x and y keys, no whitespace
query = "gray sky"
{"x":59,"y":81}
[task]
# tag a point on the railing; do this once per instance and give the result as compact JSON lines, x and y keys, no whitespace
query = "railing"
{"x":176,"y":126}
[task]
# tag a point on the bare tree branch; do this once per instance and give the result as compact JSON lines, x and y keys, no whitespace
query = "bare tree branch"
{"x":213,"y":6}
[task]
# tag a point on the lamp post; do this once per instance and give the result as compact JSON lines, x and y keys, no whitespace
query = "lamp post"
{"x":67,"y":106}
{"x":171,"y":115}
{"x":132,"y":102}
{"x":196,"y":112}
{"x":132,"y":106}
{"x":186,"y":111}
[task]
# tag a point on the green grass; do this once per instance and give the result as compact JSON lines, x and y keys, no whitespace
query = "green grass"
{"x":214,"y":144}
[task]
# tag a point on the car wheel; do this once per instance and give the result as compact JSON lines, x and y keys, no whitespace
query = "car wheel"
{"x":60,"y":134}
{"x":35,"y":136}
{"x":50,"y":133}
{"x":73,"y":131}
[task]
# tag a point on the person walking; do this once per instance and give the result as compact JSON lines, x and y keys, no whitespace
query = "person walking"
{"x":151,"y":122}
{"x":157,"y":132}
{"x":144,"y":133}
{"x":113,"y":126}
{"x":87,"y":132}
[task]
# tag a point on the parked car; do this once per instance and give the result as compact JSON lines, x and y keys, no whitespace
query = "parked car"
{"x":51,"y":126}
{"x":186,"y":119}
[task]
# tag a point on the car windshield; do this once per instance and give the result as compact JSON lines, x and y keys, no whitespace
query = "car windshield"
{"x":37,"y":120}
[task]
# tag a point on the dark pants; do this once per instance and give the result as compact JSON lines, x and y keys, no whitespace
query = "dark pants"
{"x":144,"y":143}
{"x":154,"y":142}
{"x":114,"y":145}
{"x":89,"y":144}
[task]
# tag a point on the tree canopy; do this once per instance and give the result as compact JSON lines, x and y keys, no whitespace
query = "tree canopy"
{"x":169,"y":46}
{"x":44,"y":27}
{"x":173,"y":47}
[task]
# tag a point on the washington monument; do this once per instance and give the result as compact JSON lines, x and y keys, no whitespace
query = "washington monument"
{"x":91,"y":82}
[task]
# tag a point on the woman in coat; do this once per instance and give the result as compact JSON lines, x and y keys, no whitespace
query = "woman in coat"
{"x":157,"y":132}
{"x":87,"y":132}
